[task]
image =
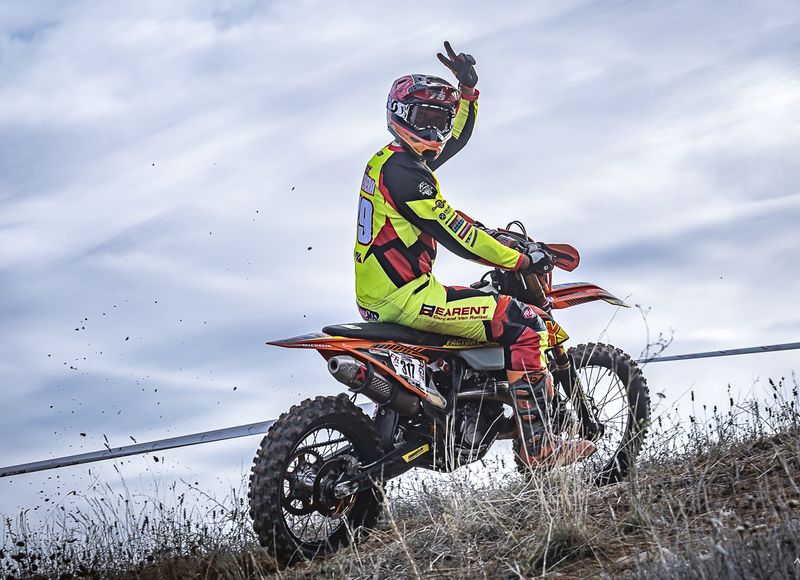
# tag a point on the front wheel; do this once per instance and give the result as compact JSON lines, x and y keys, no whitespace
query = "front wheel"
{"x":297,"y":512}
{"x":615,"y":385}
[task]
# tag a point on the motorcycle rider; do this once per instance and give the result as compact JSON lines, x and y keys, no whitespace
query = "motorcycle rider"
{"x":401,"y":217}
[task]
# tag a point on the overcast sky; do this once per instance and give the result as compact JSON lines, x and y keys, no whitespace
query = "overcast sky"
{"x":178,"y":184}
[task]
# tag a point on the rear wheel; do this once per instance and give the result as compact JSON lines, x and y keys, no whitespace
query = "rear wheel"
{"x":618,"y":389}
{"x":295,"y":509}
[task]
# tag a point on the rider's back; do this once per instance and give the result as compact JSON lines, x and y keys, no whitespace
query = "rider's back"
{"x":390,"y":250}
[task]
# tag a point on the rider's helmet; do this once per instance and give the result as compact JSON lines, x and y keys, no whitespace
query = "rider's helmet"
{"x":420,"y":112}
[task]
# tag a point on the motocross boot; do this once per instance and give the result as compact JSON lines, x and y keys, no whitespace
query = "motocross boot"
{"x":540,"y":447}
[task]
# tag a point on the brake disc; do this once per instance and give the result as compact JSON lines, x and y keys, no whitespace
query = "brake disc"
{"x":302,"y":480}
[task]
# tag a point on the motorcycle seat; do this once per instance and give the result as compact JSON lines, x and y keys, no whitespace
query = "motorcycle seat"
{"x":397,"y":333}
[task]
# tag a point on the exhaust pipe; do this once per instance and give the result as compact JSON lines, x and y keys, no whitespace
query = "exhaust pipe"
{"x":362,"y":378}
{"x":499,"y":392}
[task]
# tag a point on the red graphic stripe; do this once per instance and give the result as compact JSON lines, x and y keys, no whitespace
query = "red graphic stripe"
{"x":399,"y":262}
{"x":385,"y":193}
{"x":386,"y":234}
{"x":500,"y":316}
{"x":425,"y":263}
{"x":526,"y":354}
{"x":428,"y":241}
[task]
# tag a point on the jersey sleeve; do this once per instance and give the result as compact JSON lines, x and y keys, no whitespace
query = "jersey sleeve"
{"x":462,"y":130}
{"x":418,"y":199}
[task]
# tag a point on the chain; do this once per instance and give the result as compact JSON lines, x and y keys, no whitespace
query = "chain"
{"x":315,"y":445}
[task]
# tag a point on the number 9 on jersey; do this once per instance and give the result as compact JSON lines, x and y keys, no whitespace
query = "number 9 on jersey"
{"x":365,"y":210}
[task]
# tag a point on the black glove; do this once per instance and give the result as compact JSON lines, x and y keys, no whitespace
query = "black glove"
{"x":540,"y":261}
{"x":462,"y":65}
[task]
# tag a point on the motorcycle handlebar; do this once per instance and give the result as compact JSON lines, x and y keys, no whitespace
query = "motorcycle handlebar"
{"x":521,"y":241}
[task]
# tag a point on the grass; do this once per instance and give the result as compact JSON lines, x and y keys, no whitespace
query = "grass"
{"x":715,"y":496}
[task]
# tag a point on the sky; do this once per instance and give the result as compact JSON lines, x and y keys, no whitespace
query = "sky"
{"x":178,"y":185}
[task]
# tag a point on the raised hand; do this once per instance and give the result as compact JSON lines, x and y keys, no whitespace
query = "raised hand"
{"x":462,"y":65}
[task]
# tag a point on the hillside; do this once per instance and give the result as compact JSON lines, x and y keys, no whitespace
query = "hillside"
{"x":717,"y":498}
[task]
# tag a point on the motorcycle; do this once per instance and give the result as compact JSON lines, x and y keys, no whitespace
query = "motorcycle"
{"x":440,"y":402}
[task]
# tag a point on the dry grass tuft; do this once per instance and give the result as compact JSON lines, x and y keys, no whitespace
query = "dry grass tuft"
{"x":716,"y":496}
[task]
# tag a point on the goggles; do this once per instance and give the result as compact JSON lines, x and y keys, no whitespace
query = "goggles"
{"x":423,"y":116}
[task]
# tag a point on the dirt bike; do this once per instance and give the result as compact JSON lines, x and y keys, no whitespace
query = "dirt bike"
{"x":440,"y":402}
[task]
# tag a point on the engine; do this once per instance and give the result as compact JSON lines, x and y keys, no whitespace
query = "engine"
{"x":475,"y":428}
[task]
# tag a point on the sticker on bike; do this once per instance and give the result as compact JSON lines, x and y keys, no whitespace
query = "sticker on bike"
{"x":410,"y":368}
{"x":313,"y":478}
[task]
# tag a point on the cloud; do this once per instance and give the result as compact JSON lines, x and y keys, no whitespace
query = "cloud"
{"x":164,"y":168}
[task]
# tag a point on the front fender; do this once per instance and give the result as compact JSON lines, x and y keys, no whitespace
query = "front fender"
{"x":574,"y":293}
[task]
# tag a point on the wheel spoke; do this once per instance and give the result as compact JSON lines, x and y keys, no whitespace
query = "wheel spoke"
{"x":619,"y":389}
{"x":602,"y":382}
{"x":623,"y":410}
{"x":320,"y":524}
{"x":307,"y":520}
{"x":305,"y":454}
{"x":589,"y":383}
{"x":598,"y":368}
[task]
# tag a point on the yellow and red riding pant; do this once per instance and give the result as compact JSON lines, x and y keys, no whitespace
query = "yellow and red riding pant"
{"x":426,"y":304}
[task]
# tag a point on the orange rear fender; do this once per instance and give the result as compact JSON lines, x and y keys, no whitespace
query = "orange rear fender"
{"x":329,"y":346}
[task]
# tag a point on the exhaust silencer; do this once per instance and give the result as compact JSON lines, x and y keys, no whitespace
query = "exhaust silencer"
{"x":362,"y":378}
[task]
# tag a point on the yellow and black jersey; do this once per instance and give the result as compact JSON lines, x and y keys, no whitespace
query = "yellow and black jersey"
{"x":402,"y":215}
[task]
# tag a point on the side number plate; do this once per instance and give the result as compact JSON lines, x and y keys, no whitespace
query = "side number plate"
{"x":410,"y":368}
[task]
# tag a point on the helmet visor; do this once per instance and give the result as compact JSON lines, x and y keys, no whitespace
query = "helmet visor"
{"x":431,"y":117}
{"x":442,"y":94}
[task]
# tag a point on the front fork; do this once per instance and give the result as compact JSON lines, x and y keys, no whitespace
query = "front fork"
{"x":564,"y":373}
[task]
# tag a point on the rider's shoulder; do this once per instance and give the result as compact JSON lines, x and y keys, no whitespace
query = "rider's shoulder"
{"x":405,"y":165}
{"x":397,"y":158}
